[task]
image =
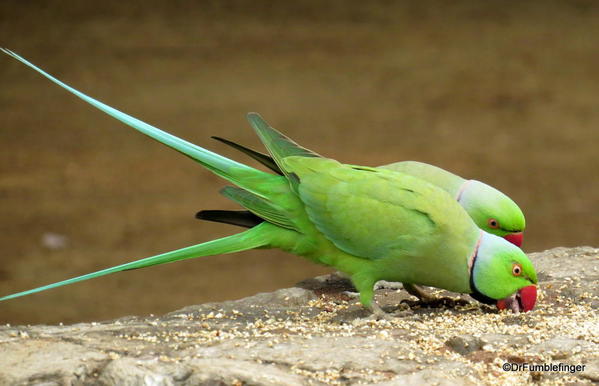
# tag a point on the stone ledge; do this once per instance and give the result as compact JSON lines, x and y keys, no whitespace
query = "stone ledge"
{"x":317,"y":333}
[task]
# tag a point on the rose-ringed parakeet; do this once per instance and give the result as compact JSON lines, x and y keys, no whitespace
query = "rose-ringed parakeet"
{"x":491,"y":210}
{"x":372,"y":224}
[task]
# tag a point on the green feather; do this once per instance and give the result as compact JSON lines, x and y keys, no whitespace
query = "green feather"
{"x":264,"y":159}
{"x":261,"y":207}
{"x":252,"y":238}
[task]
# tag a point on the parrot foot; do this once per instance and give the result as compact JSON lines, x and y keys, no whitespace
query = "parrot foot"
{"x":419,"y":292}
{"x":383,"y":284}
{"x":351,"y":294}
{"x":429,"y":301}
{"x":444,"y":302}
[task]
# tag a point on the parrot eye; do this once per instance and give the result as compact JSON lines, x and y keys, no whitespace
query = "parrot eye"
{"x":493,"y":223}
{"x":516,"y":269}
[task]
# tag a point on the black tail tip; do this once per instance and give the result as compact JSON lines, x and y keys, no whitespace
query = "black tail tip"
{"x":242,"y":218}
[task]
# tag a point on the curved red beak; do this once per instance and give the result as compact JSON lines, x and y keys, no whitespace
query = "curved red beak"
{"x":522,"y":301}
{"x":515,"y":238}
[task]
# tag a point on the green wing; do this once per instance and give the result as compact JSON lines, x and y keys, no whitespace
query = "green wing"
{"x":365,"y":212}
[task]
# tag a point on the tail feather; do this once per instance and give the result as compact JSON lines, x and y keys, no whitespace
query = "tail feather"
{"x":252,"y":238}
{"x":264,"y":159}
{"x":261,"y":207}
{"x":242,"y":218}
{"x":222,"y":166}
{"x":254,"y":188}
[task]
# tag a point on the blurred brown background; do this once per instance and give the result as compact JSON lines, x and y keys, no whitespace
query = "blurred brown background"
{"x":502,"y":91}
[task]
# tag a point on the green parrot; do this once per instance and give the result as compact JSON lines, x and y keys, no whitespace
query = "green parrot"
{"x":372,"y":224}
{"x":491,"y":210}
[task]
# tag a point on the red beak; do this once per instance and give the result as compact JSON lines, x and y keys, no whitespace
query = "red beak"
{"x":514,"y":238}
{"x":522,"y":301}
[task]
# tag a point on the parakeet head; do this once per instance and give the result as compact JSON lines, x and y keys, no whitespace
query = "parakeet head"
{"x":502,"y":274}
{"x":492,"y":211}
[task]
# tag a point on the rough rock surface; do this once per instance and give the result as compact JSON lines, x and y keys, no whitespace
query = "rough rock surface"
{"x":316,"y":333}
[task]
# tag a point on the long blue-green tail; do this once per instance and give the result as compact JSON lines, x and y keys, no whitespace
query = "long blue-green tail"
{"x":247,"y":178}
{"x":252,"y":238}
{"x":233,"y":171}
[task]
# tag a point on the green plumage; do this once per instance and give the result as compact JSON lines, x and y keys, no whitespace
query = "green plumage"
{"x":482,"y":202}
{"x":372,"y":224}
{"x":447,"y":181}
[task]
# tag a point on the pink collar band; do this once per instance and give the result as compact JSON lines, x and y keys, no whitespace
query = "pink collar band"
{"x":458,"y":196}
{"x":475,"y":253}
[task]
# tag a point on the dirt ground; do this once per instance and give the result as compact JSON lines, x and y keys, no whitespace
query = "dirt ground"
{"x":503,"y":92}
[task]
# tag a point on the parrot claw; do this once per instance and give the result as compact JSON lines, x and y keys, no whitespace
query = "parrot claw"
{"x":429,"y":301}
{"x":351,"y":294}
{"x":444,"y":302}
{"x":419,"y":292}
